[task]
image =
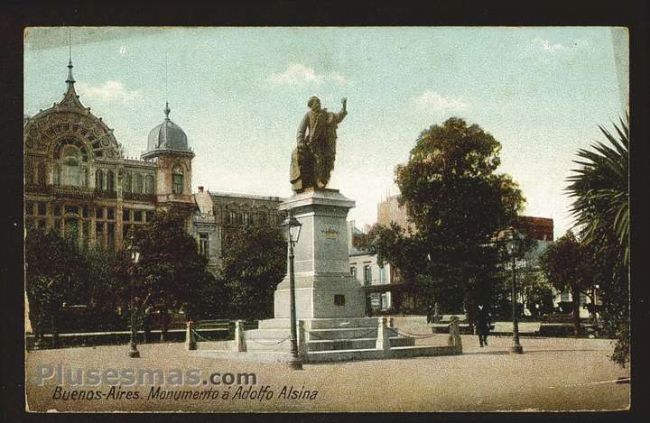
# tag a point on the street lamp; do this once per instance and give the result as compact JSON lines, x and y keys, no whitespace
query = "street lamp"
{"x":513,"y":240}
{"x":291,"y":230}
{"x":135,"y":258}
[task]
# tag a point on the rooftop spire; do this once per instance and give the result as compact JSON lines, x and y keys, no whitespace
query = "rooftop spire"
{"x":70,"y":98}
{"x":70,"y":79}
{"x":167,"y":110}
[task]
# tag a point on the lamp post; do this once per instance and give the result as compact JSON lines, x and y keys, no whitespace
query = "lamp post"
{"x":291,"y":229}
{"x":513,"y":244}
{"x":135,"y":258}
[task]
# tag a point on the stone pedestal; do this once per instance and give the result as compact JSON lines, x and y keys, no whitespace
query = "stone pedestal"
{"x":330,"y":304}
{"x":324,"y":286}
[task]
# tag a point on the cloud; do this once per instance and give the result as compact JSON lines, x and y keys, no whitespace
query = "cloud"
{"x":299,"y":74}
{"x":109,"y":91}
{"x":433,"y":100}
{"x":549,"y":47}
{"x":337,"y":77}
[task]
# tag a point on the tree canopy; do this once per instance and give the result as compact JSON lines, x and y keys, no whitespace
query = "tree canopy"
{"x":253,"y":265}
{"x":54,"y":275}
{"x":456,"y":202}
{"x":170,"y":272}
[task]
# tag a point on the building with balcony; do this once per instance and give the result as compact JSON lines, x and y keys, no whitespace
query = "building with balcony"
{"x":78,"y":182}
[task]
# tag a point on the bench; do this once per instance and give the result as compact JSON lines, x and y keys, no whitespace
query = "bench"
{"x":529,"y":328}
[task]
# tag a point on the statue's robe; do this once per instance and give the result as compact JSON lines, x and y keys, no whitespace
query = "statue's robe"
{"x":312,"y":160}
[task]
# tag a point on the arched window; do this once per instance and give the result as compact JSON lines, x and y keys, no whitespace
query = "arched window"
{"x":177,"y":180}
{"x":138,"y":183}
{"x":148,"y":184}
{"x":128,"y":182}
{"x":71,"y":158}
{"x":110,"y":181}
{"x":57,"y":174}
{"x":99,"y":180}
{"x":32,"y":170}
{"x":41,"y":173}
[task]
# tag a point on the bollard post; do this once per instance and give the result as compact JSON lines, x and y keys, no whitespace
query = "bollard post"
{"x":302,"y":340}
{"x":240,"y":342}
{"x":190,"y":341}
{"x":454,"y":336}
{"x":383,"y":341}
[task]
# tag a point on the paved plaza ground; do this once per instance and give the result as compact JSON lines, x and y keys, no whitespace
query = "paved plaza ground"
{"x":552,"y":374}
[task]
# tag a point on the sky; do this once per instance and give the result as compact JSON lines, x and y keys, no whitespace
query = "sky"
{"x":240,"y":93}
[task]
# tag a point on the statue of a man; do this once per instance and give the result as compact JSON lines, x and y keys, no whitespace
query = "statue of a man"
{"x":312,"y":160}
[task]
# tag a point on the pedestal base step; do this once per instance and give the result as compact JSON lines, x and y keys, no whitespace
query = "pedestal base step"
{"x":375,"y":354}
{"x":351,"y":344}
{"x":325,"y":323}
{"x":326,"y":356}
{"x":255,"y":356}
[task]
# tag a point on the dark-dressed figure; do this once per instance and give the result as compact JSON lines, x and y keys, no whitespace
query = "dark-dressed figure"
{"x":312,"y":160}
{"x":483,"y":325}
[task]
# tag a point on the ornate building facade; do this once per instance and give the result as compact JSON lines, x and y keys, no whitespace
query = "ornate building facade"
{"x":78,"y":182}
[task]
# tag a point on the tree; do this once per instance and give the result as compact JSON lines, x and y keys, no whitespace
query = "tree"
{"x":54,"y":276}
{"x":170,"y":272}
{"x":101,"y":282}
{"x":402,"y":249}
{"x":599,"y":189}
{"x":253,"y":265}
{"x":396,"y":246}
{"x":567,"y":265}
{"x":536,"y":292}
{"x":457,"y":202}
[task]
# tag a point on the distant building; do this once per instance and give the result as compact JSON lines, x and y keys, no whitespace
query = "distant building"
{"x":539,"y":228}
{"x":389,"y":211}
{"x":220,"y":214}
{"x":374,"y":278}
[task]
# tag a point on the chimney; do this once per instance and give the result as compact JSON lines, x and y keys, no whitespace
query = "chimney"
{"x":201,"y":189}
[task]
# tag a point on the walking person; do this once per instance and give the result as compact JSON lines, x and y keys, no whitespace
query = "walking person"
{"x":483,"y":324}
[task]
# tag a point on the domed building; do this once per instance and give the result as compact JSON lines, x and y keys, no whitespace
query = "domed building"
{"x":77,"y":181}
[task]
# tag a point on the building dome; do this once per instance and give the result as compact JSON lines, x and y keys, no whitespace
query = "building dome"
{"x":167,"y":136}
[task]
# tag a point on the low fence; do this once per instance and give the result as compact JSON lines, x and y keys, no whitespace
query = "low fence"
{"x":209,"y":330}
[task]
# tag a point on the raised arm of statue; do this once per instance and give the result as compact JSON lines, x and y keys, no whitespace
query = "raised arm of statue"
{"x":338,"y":117}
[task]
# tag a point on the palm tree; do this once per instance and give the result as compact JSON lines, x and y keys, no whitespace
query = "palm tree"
{"x":601,"y":208}
{"x":600,"y":189}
